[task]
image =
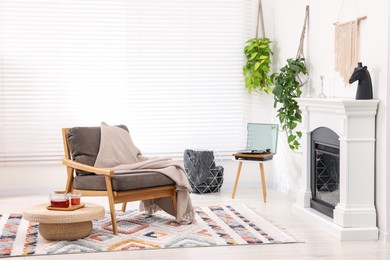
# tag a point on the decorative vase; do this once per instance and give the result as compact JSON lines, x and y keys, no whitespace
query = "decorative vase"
{"x":322,"y":94}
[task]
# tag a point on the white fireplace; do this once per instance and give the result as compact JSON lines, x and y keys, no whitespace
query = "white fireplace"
{"x":354,"y":217}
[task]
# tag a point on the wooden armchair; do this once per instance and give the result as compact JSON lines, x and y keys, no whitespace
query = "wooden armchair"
{"x":81,"y":146}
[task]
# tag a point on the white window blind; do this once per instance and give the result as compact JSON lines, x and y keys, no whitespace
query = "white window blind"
{"x":170,"y":70}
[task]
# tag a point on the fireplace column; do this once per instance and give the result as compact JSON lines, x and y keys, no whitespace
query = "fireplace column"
{"x":357,"y":165}
{"x":304,"y":191}
{"x":354,"y":122}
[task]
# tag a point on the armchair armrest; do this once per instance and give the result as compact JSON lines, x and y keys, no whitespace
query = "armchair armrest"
{"x":87,"y":168}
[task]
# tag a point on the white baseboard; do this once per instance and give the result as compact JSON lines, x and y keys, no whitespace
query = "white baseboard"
{"x":27,"y":191}
{"x":385,"y":237}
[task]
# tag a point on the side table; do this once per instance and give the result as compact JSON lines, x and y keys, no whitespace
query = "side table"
{"x":64,"y":225}
{"x":261,"y":158}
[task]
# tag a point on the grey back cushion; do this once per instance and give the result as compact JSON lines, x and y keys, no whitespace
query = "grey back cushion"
{"x":84,"y":143}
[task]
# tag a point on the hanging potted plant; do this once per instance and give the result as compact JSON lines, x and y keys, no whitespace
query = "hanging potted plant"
{"x":287,"y":87}
{"x":258,"y":62}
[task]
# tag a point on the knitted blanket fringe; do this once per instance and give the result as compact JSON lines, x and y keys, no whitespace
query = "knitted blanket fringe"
{"x":151,"y":206}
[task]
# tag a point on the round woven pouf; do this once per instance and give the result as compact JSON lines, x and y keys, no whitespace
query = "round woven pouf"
{"x":66,"y":231}
{"x":64,"y":225}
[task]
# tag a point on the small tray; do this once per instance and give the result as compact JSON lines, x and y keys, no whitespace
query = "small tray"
{"x":71,"y":208}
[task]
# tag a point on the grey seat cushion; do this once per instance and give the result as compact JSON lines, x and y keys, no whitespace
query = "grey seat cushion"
{"x":84,"y":143}
{"x":122,"y":182}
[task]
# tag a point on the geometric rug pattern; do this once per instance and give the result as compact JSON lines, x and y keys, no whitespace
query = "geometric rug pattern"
{"x":215,"y":226}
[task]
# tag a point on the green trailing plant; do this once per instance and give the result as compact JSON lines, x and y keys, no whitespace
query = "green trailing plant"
{"x":287,"y":87}
{"x":256,"y":70}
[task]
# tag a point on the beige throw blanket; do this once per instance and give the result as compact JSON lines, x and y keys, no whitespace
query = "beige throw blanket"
{"x":117,"y":152}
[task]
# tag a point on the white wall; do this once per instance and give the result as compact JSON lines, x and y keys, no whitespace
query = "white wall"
{"x":284,"y":21}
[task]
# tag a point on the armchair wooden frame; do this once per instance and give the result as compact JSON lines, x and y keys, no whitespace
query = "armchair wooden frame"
{"x":114,"y":197}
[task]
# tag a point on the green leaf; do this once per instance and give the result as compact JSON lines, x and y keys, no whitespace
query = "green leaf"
{"x":282,"y":116}
{"x":257,"y":65}
{"x":277,"y":90}
{"x":250,"y":47}
{"x":292,"y":125}
{"x":253,"y":56}
{"x":299,"y":134}
{"x":291,"y":138}
{"x":265,"y":68}
{"x":247,"y":81}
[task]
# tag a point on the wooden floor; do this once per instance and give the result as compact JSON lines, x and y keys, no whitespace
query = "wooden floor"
{"x":317,"y":244}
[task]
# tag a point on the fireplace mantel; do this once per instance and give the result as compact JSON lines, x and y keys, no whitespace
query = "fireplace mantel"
{"x":354,"y":122}
{"x":338,"y":105}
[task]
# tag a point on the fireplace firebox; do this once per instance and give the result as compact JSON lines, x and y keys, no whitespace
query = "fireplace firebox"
{"x":325,"y":170}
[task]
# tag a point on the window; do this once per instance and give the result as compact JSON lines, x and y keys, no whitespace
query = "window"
{"x":170,"y":70}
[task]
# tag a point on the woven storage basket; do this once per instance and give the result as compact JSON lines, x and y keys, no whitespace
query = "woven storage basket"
{"x":67,"y":231}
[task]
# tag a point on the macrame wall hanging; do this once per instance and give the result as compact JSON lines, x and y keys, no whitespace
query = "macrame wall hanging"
{"x":346,"y":46}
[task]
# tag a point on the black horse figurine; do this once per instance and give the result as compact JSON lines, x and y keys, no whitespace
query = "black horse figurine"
{"x":364,"y":89}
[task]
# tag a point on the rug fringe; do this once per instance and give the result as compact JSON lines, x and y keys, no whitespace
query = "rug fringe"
{"x":257,"y":212}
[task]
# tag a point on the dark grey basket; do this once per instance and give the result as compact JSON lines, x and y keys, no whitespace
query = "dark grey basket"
{"x":201,"y":164}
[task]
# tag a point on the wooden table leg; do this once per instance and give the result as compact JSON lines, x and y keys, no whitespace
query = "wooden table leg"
{"x":263,"y":183}
{"x":124,"y":206}
{"x":237,"y":178}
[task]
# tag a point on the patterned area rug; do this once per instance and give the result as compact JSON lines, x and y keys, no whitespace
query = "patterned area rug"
{"x":216,"y":226}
